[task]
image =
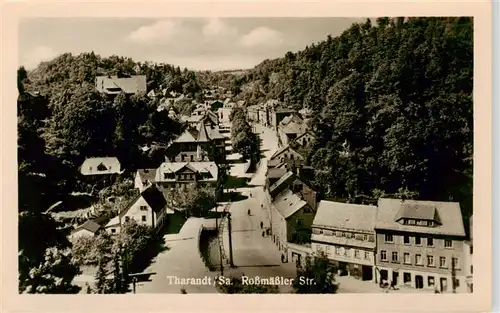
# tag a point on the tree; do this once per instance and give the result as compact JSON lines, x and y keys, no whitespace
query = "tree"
{"x":318,"y":273}
{"x":53,"y":275}
{"x":193,"y":199}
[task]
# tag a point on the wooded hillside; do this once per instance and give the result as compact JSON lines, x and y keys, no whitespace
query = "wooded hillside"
{"x":396,"y":96}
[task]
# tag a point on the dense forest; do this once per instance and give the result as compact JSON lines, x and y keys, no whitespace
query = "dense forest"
{"x":392,"y":103}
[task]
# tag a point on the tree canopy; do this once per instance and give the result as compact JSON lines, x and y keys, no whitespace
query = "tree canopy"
{"x":392,"y":107}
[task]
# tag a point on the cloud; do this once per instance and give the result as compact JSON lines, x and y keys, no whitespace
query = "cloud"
{"x":262,"y":36}
{"x":39,"y":54}
{"x":215,"y":27}
{"x":162,"y":30}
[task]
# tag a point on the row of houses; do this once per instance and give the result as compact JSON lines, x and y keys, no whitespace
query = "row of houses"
{"x":418,"y":244}
{"x":192,"y":157}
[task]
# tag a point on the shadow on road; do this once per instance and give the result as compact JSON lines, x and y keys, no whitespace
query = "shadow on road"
{"x":232,"y":197}
{"x":236,"y":182}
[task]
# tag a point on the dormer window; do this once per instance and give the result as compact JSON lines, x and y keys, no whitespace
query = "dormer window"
{"x":418,"y":214}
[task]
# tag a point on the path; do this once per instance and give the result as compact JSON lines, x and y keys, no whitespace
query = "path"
{"x":182,"y":260}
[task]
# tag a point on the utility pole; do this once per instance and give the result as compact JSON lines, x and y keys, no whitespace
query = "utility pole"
{"x":221,"y":261}
{"x":230,"y":239}
{"x":453,"y":275}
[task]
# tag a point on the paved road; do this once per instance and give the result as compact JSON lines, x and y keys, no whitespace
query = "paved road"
{"x":182,"y":260}
{"x":253,"y":254}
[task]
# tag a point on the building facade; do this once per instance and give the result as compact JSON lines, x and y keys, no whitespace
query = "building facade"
{"x":148,"y":208}
{"x":289,"y":157}
{"x":289,"y":215}
{"x":420,"y":244}
{"x":345,"y":234}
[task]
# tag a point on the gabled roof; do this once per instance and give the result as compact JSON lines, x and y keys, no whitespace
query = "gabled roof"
{"x":276,"y":172}
{"x":291,"y":118}
{"x":307,"y":133}
{"x":345,"y":216}
{"x":187,"y":136}
{"x":100,"y":166}
{"x":275,"y":188}
{"x":450,"y":216}
{"x":202,"y":133}
{"x":293,"y":127}
{"x":200,"y":167}
{"x":89,"y":225}
{"x":288,"y":203}
{"x":211,"y":117}
{"x":154,"y":198}
{"x":147,"y":174}
{"x":283,"y":150}
{"x":115,"y":84}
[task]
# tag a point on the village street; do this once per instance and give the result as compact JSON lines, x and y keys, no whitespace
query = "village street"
{"x":253,"y":254}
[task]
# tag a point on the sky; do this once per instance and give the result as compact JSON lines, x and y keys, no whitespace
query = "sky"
{"x":195,"y":43}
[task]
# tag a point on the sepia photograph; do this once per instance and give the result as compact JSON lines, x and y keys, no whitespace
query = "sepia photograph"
{"x":245,"y":155}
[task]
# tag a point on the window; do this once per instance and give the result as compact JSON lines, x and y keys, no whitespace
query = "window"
{"x":127,"y":218}
{"x":338,"y":233}
{"x":430,"y":281}
{"x":367,"y":256}
{"x":113,"y":230}
{"x":365,"y":238}
{"x":348,"y":235}
{"x":448,"y":244}
{"x":337,"y":250}
{"x":182,"y":158}
{"x":143,"y":208}
{"x":299,"y":223}
{"x":192,"y":157}
{"x":470,"y":250}
{"x":371,"y":238}
{"x":389,"y":238}
{"x":418,"y":259}
{"x":144,"y":218}
{"x":442,"y":261}
{"x":406,"y":239}
{"x":430,"y":223}
{"x":418,"y":240}
{"x":454,"y":262}
{"x":343,"y":234}
{"x":356,"y":254}
{"x":430,"y":260}
{"x":430,"y":242}
{"x":407,"y":278}
{"x":383,"y":255}
{"x":315,"y":231}
{"x":457,"y":283}
{"x":411,"y":222}
{"x":471,"y":270}
{"x":407,"y":258}
{"x":394,"y":256}
{"x":422,"y":223}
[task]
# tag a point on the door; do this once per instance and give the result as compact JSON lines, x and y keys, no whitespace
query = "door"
{"x":383,"y":275}
{"x":444,"y":284}
{"x":419,"y":282}
{"x":395,"y":276}
{"x":367,"y":273}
